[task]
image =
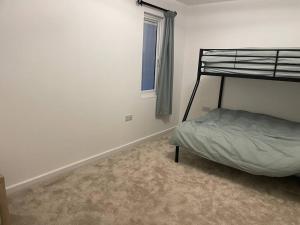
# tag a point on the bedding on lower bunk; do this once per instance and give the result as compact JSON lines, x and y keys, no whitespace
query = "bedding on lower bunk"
{"x":255,"y":143}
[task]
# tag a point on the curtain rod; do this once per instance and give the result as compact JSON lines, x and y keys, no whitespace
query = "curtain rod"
{"x":140,"y":2}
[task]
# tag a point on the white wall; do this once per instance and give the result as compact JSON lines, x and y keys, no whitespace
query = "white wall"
{"x":249,"y":23}
{"x":70,"y":70}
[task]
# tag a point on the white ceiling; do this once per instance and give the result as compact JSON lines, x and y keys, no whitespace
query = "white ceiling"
{"x":197,"y":2}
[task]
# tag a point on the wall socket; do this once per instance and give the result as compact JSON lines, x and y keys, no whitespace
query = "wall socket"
{"x":206,"y":109}
{"x":128,"y":118}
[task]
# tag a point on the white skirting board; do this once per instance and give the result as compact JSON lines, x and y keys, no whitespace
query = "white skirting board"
{"x":67,"y":168}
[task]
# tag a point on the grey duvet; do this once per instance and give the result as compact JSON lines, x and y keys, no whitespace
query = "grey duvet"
{"x":255,"y":143}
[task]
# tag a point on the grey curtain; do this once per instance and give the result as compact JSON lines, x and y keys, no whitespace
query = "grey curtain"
{"x":164,"y":89}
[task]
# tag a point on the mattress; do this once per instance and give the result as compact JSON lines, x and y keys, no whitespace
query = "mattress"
{"x":256,"y":143}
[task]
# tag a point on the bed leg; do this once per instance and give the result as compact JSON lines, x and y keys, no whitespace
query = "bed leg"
{"x":177,"y":154}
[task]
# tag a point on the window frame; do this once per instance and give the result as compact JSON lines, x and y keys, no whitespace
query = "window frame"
{"x":158,"y":21}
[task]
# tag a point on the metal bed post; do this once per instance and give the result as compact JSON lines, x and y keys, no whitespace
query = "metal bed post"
{"x":221,"y":92}
{"x":276,"y":63}
{"x":191,"y":99}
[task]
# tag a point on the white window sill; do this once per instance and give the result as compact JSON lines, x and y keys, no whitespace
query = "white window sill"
{"x":148,"y":94}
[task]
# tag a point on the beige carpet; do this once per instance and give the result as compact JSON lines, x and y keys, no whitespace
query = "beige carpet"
{"x":145,"y":186}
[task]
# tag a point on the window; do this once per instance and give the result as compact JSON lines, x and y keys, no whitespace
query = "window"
{"x":151,"y":51}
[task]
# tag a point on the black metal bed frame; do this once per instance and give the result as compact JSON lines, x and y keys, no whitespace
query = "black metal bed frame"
{"x":276,"y":57}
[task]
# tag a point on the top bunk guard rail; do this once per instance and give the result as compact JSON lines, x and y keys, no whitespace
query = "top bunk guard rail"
{"x":251,"y":63}
{"x":256,"y":63}
{"x":258,"y":56}
{"x":251,"y":49}
{"x":280,"y":64}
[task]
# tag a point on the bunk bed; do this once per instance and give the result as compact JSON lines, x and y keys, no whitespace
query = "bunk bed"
{"x":256,"y":143}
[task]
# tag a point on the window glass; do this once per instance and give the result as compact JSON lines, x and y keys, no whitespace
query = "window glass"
{"x":149,"y":56}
